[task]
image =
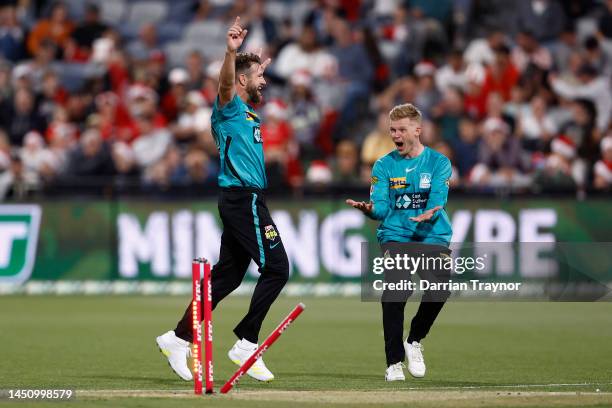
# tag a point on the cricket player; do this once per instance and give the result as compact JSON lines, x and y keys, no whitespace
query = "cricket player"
{"x":248,"y":230}
{"x":408,"y":195}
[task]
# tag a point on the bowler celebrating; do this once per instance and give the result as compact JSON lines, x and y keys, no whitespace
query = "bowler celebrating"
{"x":408,"y":194}
{"x":248,"y":230}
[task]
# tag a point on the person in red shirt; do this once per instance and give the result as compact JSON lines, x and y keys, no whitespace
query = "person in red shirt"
{"x":502,"y":75}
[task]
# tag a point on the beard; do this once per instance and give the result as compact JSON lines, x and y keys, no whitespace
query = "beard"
{"x":253,"y":94}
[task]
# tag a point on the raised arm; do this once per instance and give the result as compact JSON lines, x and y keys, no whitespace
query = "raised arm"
{"x":227,"y":76}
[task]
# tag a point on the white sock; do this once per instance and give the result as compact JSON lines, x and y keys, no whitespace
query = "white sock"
{"x":246,"y":345}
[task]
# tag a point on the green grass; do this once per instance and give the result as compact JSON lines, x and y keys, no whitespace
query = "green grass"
{"x":107,"y":343}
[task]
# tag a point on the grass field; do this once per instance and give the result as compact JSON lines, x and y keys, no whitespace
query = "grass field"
{"x":478,"y":354}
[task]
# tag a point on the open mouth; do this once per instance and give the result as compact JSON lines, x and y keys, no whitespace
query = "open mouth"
{"x":399,"y":145}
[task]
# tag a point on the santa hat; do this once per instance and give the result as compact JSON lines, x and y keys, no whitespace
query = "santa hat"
{"x":424,"y":68}
{"x":301,"y":78}
{"x":604,"y":170}
{"x":564,"y":146}
{"x":276,"y":109}
{"x":319,"y":172}
{"x":606,"y":143}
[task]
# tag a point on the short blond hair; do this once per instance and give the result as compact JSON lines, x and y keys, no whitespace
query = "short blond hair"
{"x":406,"y":110}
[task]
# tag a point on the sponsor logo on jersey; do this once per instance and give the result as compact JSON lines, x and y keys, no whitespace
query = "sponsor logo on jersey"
{"x":270,"y":232}
{"x":397,"y":183}
{"x":411,"y":201}
{"x":251,"y":116}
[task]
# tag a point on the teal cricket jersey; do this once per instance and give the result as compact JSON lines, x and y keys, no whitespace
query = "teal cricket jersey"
{"x":406,"y":187}
{"x":236,"y":130}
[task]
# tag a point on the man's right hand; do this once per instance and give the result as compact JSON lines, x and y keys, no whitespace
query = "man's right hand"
{"x":362,"y":206}
{"x":235,"y":36}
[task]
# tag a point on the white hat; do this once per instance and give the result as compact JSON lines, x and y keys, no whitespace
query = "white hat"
{"x":195,"y":98}
{"x":496,"y":124}
{"x":178,"y":76}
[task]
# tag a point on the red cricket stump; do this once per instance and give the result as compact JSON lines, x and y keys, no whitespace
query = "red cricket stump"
{"x":196,"y":312}
{"x":208,"y":363}
{"x":297,"y":310}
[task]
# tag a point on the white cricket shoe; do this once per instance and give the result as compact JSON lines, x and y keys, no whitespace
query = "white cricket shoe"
{"x":416,"y":362}
{"x":241,"y":351}
{"x":395,"y":372}
{"x":177,"y":351}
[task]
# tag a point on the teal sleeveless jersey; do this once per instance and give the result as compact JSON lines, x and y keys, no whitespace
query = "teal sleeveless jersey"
{"x":236,"y":130}
{"x":406,"y":187}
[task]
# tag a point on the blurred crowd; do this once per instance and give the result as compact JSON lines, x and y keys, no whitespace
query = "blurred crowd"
{"x":516,"y":93}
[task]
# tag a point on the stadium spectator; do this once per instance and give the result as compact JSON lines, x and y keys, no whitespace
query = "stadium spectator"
{"x":193,"y":120}
{"x":345,"y":167}
{"x":194,"y":64}
{"x":147,"y":42}
{"x":544,"y":18}
{"x":92,"y":157}
{"x":305,"y":55}
{"x":448,"y":113}
{"x":499,"y":157}
{"x":591,"y":86}
{"x":304,"y":113}
{"x":19,"y":116}
{"x":12,"y":34}
{"x":596,"y":57}
{"x":377,"y":143}
{"x":535,"y":126}
{"x":482,"y":50}
{"x":466,"y":146}
{"x":603,"y":167}
{"x":528,"y":52}
{"x":79,"y":45}
{"x":174,"y":99}
{"x":452,"y":74}
{"x":561,"y":170}
{"x":355,"y":71}
{"x":427,"y":95}
{"x":56,"y":29}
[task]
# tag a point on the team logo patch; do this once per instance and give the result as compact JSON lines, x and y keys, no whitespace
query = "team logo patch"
{"x":251,"y":116}
{"x":270,"y":232}
{"x":374,"y":179}
{"x":425,"y":180}
{"x":397,"y":182}
{"x":257,"y":135}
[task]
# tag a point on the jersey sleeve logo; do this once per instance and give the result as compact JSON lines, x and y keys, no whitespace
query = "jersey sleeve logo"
{"x":257,"y":135}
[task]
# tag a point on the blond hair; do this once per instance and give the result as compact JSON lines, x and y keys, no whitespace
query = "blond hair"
{"x":406,"y":110}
